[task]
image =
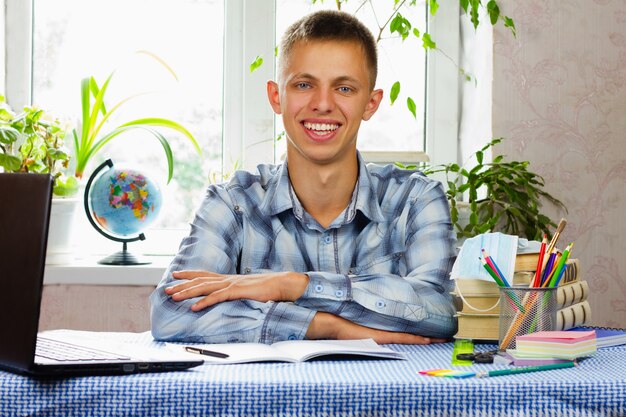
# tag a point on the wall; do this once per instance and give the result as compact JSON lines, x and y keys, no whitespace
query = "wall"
{"x":2,"y":49}
{"x":559,"y":97}
{"x":96,"y":308}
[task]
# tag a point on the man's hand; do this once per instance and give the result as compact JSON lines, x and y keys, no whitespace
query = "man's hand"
{"x":328,"y":326}
{"x":283,"y":286}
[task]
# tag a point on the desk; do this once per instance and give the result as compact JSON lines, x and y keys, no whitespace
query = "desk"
{"x":328,"y":388}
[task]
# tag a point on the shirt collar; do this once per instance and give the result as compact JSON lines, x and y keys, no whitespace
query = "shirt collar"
{"x":280,"y":196}
{"x":278,"y":193}
{"x":366,"y":196}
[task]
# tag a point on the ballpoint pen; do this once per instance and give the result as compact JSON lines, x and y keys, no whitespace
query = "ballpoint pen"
{"x":206,"y":352}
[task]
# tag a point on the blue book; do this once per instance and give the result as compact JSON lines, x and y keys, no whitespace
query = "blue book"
{"x":605,"y":337}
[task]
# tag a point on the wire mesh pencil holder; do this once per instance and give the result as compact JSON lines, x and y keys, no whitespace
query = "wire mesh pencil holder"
{"x":525,"y":310}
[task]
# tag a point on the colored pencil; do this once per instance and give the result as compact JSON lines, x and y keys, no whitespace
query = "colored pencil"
{"x":542,"y":251}
{"x":491,"y":272}
{"x":548,"y":268}
{"x":526,"y":369}
{"x":495,"y":267}
{"x":515,"y":303}
{"x":550,"y":273}
{"x":560,"y":268}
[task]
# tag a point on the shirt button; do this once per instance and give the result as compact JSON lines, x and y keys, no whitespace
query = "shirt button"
{"x":237,"y":208}
{"x":380,"y":304}
{"x":339,"y":293}
{"x":292,"y":337}
{"x":319,"y":288}
{"x":247,"y":270}
{"x":327,"y":239}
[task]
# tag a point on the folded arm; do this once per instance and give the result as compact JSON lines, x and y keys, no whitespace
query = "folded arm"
{"x":194,"y":303}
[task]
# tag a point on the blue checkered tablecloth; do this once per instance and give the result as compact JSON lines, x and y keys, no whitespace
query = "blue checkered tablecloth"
{"x":329,"y":388}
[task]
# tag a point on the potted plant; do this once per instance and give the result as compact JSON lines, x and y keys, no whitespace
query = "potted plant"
{"x":34,"y":141}
{"x":501,"y":196}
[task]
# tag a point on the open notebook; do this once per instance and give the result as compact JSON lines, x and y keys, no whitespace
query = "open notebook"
{"x":289,"y":351}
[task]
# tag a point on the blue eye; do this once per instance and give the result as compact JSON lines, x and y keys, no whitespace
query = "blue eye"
{"x":302,"y":86}
{"x":345,"y":89}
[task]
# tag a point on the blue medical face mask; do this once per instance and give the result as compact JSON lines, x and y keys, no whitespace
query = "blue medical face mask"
{"x":501,"y":247}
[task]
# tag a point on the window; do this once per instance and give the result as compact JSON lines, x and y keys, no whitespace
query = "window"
{"x":71,"y":41}
{"x":210,"y":45}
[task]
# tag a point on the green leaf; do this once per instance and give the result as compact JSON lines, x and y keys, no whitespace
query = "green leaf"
{"x":464,"y":4}
{"x":509,"y":23}
{"x":401,"y":25}
{"x":10,"y":163}
{"x":479,"y":157}
{"x":258,"y":61}
{"x":494,"y":11}
{"x":8,"y":135}
{"x":395,"y":23}
{"x":160,"y":122}
{"x":395,"y":90}
{"x":57,"y":154}
{"x":129,"y":126}
{"x":416,"y":32}
{"x":65,"y":187}
{"x":454,"y":215}
{"x":474,"y":4}
{"x":427,"y":42}
{"x":410,"y":104}
{"x":433,"y":6}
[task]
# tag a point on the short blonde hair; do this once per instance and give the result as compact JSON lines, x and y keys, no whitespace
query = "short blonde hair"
{"x":330,"y":25}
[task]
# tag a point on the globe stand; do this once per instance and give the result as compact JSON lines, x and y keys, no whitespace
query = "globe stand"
{"x":123,"y":257}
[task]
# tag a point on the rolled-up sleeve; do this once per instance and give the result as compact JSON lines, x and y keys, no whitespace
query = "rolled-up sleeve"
{"x":214,"y":244}
{"x":417,"y":301}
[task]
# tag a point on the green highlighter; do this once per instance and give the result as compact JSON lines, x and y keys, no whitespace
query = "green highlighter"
{"x":462,"y":346}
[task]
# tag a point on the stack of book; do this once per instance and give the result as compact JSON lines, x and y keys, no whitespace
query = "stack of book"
{"x":479,"y":312}
{"x":556,"y":345}
{"x":605,"y":337}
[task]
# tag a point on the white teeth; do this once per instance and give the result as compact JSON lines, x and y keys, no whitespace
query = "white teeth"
{"x":321,"y":127}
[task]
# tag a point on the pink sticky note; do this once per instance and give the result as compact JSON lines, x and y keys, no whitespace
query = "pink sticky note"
{"x":559,"y":336}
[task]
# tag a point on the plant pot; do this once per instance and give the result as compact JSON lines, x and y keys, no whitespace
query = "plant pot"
{"x":61,"y":233}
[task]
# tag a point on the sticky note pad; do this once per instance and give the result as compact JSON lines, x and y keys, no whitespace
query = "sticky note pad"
{"x":441,"y":372}
{"x":427,"y":371}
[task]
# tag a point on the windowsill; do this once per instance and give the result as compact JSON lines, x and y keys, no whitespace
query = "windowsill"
{"x":87,"y":271}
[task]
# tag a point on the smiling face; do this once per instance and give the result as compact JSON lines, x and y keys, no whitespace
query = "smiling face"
{"x":323,"y":95}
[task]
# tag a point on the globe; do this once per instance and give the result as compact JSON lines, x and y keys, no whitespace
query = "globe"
{"x":124,"y":201}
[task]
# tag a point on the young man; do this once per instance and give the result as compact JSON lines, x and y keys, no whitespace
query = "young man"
{"x":321,"y":246}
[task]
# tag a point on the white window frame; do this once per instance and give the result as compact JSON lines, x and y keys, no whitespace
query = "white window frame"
{"x":443,"y":86}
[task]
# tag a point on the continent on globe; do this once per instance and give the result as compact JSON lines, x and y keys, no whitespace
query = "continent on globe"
{"x":131,"y":194}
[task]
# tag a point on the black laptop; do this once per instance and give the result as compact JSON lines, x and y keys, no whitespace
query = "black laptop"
{"x":24,"y":218}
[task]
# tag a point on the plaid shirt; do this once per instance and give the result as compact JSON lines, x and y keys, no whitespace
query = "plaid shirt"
{"x":383,"y":262}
